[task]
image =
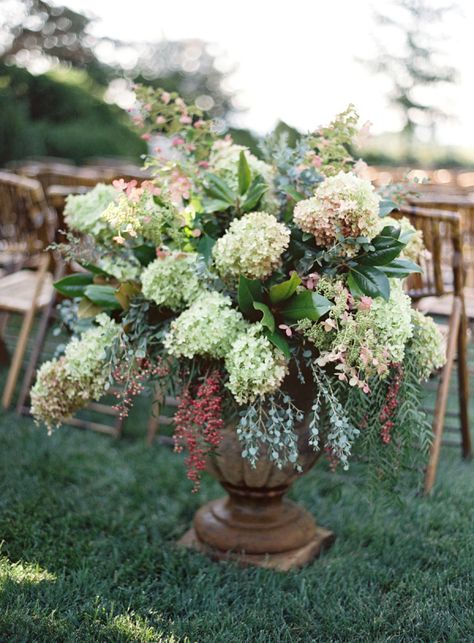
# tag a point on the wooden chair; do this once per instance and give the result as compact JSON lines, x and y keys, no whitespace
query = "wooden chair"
{"x":157,"y":420}
{"x":26,"y":229}
{"x":443,"y":277}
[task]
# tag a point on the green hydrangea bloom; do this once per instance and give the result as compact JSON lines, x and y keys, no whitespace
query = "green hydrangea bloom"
{"x":65,"y":385}
{"x":209,"y":327}
{"x":426,"y":345}
{"x":172,"y":281}
{"x":255,"y":366}
{"x":83,"y":212}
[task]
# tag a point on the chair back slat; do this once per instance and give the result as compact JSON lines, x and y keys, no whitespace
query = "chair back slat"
{"x":442,"y":263}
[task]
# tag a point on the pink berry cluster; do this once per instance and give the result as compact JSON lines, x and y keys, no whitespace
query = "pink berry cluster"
{"x":391,"y":404}
{"x":132,"y":381}
{"x":199,"y":424}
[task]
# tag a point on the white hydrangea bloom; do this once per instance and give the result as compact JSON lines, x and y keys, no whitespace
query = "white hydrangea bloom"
{"x":208,"y":327}
{"x":427,"y":345}
{"x":254,"y":365}
{"x":343,"y":205}
{"x":172,"y":280}
{"x":120,"y":268}
{"x":252,"y":246}
{"x":83,"y":212}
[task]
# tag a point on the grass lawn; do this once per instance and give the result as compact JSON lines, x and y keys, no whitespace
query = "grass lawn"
{"x":87,"y":532}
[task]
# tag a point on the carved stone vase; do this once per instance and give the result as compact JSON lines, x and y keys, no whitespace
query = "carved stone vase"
{"x":254,"y":523}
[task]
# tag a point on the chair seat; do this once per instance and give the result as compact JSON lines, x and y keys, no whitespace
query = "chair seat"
{"x":444,"y":305}
{"x":17,"y":291}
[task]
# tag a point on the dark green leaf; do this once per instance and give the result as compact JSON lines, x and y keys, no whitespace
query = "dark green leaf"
{"x":218,"y":189}
{"x":280,"y":342}
{"x":249,"y":290}
{"x":245,"y":175}
{"x":386,"y":206}
{"x":383,"y":253}
{"x":285,"y":290}
{"x":370,"y":280}
{"x":390,"y":231}
{"x":400,"y":268}
{"x":306,"y":305}
{"x":215,"y":205}
{"x":293,"y":192}
{"x":103,"y":296}
{"x":145,"y":254}
{"x":205,"y":246}
{"x":267,"y":320}
{"x":95,"y":269}
{"x":255,"y":192}
{"x":74,"y":285}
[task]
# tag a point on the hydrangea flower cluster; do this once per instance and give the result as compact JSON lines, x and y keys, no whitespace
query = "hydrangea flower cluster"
{"x":252,"y":246}
{"x":65,"y":385}
{"x":209,"y":327}
{"x":171,"y":280}
{"x":342,"y":206}
{"x":83,"y":212}
{"x":427,"y":345}
{"x":255,"y":367}
{"x":135,"y":212}
{"x":361,"y":338}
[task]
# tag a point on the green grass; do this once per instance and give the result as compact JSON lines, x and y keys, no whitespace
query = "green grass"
{"x":88,"y":527}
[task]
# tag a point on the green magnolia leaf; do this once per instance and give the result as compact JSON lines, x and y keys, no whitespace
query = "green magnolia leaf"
{"x":218,"y":189}
{"x":267,"y":320}
{"x":400,"y":268}
{"x":386,"y":206}
{"x":145,"y":254}
{"x":257,"y":189}
{"x":95,"y":269}
{"x":280,"y":342}
{"x":280,"y":292}
{"x":390,"y":231}
{"x":293,"y":192}
{"x":306,"y":305}
{"x":215,"y":205}
{"x":74,"y":285}
{"x":386,"y":249}
{"x":205,"y":246}
{"x":103,"y":296}
{"x":249,"y":290}
{"x":245,"y":176}
{"x":370,"y":280}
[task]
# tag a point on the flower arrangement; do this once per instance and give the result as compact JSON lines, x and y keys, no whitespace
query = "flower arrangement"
{"x":227,"y":277}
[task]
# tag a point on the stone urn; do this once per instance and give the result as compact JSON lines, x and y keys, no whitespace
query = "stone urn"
{"x":254,"y":523}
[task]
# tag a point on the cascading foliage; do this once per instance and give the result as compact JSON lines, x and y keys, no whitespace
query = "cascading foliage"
{"x":238,"y":283}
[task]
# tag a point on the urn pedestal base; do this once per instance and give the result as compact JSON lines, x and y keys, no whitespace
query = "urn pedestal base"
{"x":257,"y":527}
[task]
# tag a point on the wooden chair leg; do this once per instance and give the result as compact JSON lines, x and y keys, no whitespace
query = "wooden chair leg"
{"x":463,"y":383}
{"x":34,"y":358}
{"x":442,"y":397}
{"x":154,"y":420}
{"x":17,"y":359}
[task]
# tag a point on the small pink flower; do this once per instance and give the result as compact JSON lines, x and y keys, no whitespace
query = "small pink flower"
{"x":177,"y":141}
{"x":160,"y":120}
{"x":165,"y":97}
{"x":203,"y":164}
{"x":316,"y":161}
{"x":287,"y":329}
{"x":147,"y":107}
{"x":119,"y":184}
{"x":146,"y":136}
{"x":129,"y":186}
{"x":198,"y":124}
{"x":185,"y":119}
{"x":365,"y":303}
{"x":119,"y":239}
